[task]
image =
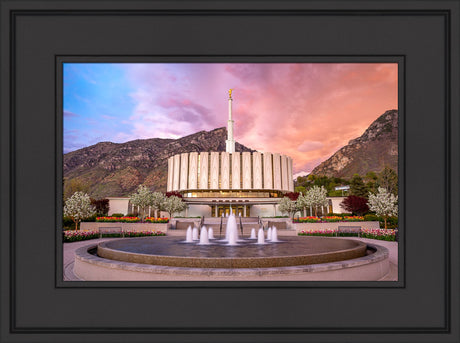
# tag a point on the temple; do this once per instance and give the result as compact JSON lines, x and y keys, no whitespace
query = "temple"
{"x":217,"y":183}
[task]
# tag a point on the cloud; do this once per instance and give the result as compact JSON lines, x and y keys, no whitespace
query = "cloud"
{"x":305,"y":110}
{"x":68,"y":114}
{"x":310,"y":146}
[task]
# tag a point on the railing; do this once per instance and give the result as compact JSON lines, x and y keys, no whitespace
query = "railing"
{"x":220,"y":230}
{"x":201,"y":222}
{"x":260,"y":222}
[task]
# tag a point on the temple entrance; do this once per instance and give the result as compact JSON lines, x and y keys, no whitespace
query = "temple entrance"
{"x":225,"y":210}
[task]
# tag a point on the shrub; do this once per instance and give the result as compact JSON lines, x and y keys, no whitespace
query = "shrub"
{"x":121,"y":215}
{"x":157,"y":220}
{"x":392,"y":222}
{"x":118,"y":219}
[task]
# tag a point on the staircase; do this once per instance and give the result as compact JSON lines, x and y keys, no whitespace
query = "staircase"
{"x":248,"y":224}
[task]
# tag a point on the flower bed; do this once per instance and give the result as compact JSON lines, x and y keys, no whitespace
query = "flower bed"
{"x":162,"y":220}
{"x":319,"y":232}
{"x":328,"y":219}
{"x":118,"y":219}
{"x":381,"y":234}
{"x":74,"y":236}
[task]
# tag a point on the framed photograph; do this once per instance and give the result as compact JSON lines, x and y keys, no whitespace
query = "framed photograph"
{"x":265,"y":93}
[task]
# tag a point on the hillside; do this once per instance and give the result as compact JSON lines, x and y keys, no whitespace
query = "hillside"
{"x":116,"y":169}
{"x":376,"y":148}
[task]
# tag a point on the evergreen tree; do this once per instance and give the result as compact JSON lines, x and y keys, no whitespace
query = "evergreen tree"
{"x":357,"y":186}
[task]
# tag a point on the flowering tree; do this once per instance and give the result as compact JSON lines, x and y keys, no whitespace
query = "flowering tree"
{"x":158,"y":202}
{"x":383,"y":203}
{"x":355,"y":204}
{"x":174,"y":204}
{"x":317,"y":196}
{"x":142,"y":198}
{"x":78,"y":207}
{"x":303,"y":202}
{"x":288,"y":206}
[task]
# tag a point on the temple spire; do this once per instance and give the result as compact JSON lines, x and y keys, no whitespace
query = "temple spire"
{"x":230,"y":142}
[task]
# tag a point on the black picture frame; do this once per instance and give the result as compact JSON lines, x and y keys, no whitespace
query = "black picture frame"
{"x":423,"y":36}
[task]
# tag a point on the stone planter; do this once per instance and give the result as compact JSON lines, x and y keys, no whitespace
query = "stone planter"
{"x":334,"y":226}
{"x":126,"y":226}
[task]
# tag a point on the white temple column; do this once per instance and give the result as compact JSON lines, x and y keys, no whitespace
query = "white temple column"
{"x":176,"y":167}
{"x":204,"y":170}
{"x":247,"y":184}
{"x":183,"y":171}
{"x":225,"y":170}
{"x":284,"y":174}
{"x":268,"y":164}
{"x":236,"y":170}
{"x":193,"y":171}
{"x":214,"y":170}
{"x":170,"y":174}
{"x":277,"y":171}
{"x":257,"y":170}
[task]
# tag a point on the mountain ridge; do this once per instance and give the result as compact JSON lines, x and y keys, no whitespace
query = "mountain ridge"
{"x":376,"y":148}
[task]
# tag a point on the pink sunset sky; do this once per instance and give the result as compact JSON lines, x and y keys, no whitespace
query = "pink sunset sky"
{"x":307,"y":111}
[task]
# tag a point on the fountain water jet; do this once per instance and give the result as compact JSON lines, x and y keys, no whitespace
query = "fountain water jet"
{"x":188,"y":236}
{"x":261,"y":237}
{"x":210,"y":233}
{"x":269,"y":234}
{"x":274,"y":235}
{"x":232,"y":232}
{"x":253,"y":234}
{"x":195,"y":234}
{"x":204,"y":236}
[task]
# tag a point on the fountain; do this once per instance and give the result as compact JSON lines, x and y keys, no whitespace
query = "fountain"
{"x":210,"y":233}
{"x":188,"y":236}
{"x":269,"y":234}
{"x":195,"y":234}
{"x":261,"y":237}
{"x":253,"y":234}
{"x":156,"y":258}
{"x":204,"y":240}
{"x":274,"y":235}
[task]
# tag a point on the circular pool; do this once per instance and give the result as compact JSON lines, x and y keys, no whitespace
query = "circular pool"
{"x":172,"y":252}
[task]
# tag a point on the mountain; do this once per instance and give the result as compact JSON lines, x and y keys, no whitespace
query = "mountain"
{"x":375,"y":149}
{"x":117,"y":169}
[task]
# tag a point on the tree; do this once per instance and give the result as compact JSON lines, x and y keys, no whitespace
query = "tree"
{"x":354,"y":204}
{"x":288,"y":206}
{"x":384,"y":204}
{"x":72,"y":186}
{"x":292,"y":195}
{"x":388,"y":179}
{"x":300,"y":189}
{"x":357,"y":186}
{"x":173,"y":193}
{"x":142,"y":198}
{"x":78,"y":207}
{"x":158,"y":202}
{"x":174,"y":204}
{"x":303,"y":202}
{"x":101,"y":206}
{"x":317,"y":196}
